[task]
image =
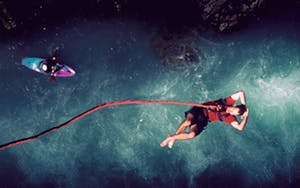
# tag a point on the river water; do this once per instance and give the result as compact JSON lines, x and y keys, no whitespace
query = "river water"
{"x":119,"y":146}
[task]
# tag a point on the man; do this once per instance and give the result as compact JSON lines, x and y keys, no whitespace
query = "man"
{"x":223,"y":110}
{"x":50,"y":66}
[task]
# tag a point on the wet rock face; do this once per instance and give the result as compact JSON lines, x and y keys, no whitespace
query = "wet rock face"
{"x":225,"y":14}
{"x":176,"y":50}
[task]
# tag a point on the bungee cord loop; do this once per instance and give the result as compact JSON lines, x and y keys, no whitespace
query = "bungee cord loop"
{"x":100,"y":106}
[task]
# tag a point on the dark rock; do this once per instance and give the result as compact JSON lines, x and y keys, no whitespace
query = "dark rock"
{"x":180,"y":49}
{"x":226,"y":14}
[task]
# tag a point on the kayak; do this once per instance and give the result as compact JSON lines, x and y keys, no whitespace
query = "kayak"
{"x":35,"y":64}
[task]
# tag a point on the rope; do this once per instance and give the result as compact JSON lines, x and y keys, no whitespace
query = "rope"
{"x":100,"y":106}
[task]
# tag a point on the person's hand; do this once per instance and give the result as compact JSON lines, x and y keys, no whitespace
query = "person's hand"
{"x":215,"y":107}
{"x":219,"y":107}
{"x":245,"y":114}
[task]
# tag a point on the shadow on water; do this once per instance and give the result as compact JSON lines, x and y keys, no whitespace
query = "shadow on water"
{"x":121,"y":178}
{"x":222,"y":174}
{"x":10,"y":175}
{"x":225,"y":174}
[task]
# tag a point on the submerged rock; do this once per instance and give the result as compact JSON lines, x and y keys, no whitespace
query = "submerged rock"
{"x":176,"y":50}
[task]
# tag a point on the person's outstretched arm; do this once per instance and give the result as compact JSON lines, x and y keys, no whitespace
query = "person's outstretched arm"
{"x":240,"y":95}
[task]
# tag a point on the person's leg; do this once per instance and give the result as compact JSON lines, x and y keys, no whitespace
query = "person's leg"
{"x":170,"y":140}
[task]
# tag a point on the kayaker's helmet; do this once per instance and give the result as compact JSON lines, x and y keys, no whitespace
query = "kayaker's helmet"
{"x":44,"y":67}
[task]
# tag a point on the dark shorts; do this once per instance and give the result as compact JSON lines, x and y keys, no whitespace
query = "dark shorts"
{"x":199,"y":118}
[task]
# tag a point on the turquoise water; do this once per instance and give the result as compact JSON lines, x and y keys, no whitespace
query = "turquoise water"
{"x":119,"y":146}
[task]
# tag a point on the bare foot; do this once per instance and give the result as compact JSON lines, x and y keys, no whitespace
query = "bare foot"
{"x":171,"y":143}
{"x":166,"y":141}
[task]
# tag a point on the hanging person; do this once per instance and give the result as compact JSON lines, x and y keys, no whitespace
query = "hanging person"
{"x":197,"y":118}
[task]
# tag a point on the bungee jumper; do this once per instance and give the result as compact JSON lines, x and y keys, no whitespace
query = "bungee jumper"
{"x":192,"y":114}
{"x":197,"y":118}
